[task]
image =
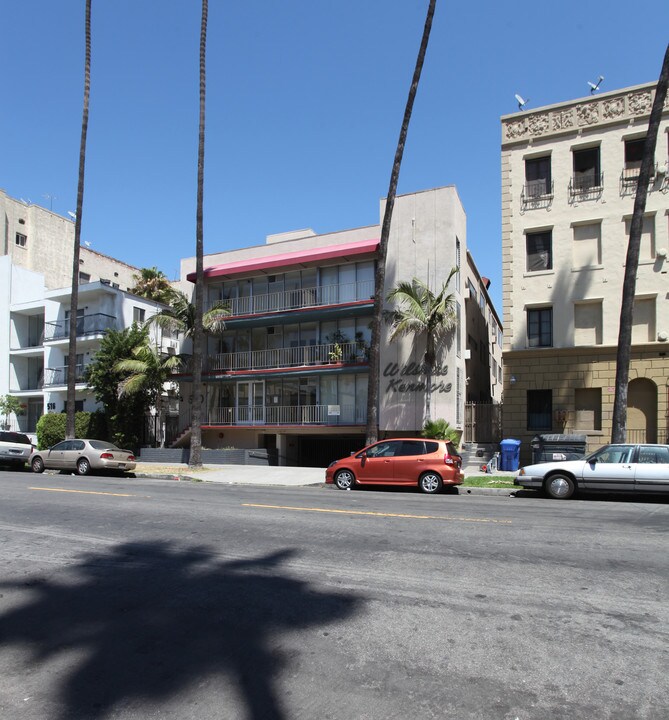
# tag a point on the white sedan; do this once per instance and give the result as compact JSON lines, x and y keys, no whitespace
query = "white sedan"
{"x":614,"y":468}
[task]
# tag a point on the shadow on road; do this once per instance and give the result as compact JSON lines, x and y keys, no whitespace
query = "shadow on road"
{"x":147,"y":620}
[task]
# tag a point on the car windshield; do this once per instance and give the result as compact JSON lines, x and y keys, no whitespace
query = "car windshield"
{"x":102,"y":445}
{"x":15,"y":437}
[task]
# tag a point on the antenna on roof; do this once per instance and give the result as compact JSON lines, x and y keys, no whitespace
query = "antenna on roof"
{"x":595,"y":86}
{"x":521,"y":101}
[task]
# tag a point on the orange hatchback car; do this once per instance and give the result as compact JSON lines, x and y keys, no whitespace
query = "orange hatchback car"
{"x":430,"y":464}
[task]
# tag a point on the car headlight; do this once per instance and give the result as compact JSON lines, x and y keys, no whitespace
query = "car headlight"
{"x":521,"y":471}
{"x":333,"y":463}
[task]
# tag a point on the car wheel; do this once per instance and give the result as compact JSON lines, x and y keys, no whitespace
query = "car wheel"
{"x":560,"y":487}
{"x":430,"y":483}
{"x":344,"y":480}
{"x":83,"y":466}
{"x":37,"y":465}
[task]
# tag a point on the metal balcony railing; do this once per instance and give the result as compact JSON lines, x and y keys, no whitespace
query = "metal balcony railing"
{"x":296,"y":299}
{"x":288,"y":415}
{"x":332,"y":353}
{"x":93,"y":324}
{"x":586,"y":184}
{"x":58,"y":376}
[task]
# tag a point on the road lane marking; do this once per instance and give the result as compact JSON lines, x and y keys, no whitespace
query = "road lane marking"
{"x":81,"y":492}
{"x":379,"y":514}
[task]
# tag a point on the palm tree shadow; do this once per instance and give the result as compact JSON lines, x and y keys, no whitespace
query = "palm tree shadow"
{"x":149,"y":619}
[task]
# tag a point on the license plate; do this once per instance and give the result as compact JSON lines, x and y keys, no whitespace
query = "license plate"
{"x":121,"y":465}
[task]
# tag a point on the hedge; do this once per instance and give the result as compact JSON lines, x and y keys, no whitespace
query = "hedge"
{"x":51,"y":427}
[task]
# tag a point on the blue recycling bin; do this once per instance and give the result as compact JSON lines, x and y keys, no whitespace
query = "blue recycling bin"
{"x":510,"y":454}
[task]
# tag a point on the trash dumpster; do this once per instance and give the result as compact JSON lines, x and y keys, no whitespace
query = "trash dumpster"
{"x":556,"y":448}
{"x":510,"y":455}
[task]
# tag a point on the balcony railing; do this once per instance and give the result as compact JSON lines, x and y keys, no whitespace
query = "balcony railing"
{"x":58,"y":376}
{"x":296,"y":299}
{"x":587,"y":184}
{"x":332,"y":353}
{"x":93,"y":324}
{"x":288,"y":415}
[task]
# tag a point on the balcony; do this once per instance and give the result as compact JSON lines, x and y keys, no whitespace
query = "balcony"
{"x":629,"y":178}
{"x":278,"y":302}
{"x":331,"y":353}
{"x":58,"y":376}
{"x":586,"y":186}
{"x":94,"y":324}
{"x":287,"y":415}
{"x":537,"y":194}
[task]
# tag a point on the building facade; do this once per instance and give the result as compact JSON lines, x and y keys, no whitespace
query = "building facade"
{"x":35,"y":280}
{"x":290,"y":372}
{"x":569,"y":177}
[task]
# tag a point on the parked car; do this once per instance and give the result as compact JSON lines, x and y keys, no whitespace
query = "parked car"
{"x":429,"y":464}
{"x":83,"y":456}
{"x":15,"y":449}
{"x":614,"y":468}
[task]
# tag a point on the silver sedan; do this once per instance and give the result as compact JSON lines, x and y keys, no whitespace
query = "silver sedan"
{"x":614,"y":468}
{"x":83,"y":456}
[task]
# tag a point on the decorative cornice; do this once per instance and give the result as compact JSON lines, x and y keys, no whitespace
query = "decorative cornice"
{"x":629,"y":104}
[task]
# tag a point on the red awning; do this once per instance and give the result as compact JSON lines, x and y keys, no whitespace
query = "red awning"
{"x":271,"y":263}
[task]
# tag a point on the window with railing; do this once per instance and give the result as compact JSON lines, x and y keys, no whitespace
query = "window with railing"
{"x":538,"y":180}
{"x":587,"y":177}
{"x":93,"y":324}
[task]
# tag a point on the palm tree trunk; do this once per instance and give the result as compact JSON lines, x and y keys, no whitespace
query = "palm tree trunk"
{"x":375,"y":344}
{"x":619,"y":420}
{"x":74,"y":298}
{"x":198,"y":333}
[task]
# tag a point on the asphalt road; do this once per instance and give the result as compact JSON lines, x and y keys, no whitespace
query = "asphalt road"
{"x":132,"y":599}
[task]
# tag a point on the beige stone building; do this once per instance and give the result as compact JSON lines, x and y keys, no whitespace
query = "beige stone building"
{"x":43,"y":241}
{"x":569,"y":177}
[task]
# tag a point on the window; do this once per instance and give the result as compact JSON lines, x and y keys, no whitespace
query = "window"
{"x":647,"y":246}
{"x":458,"y":330}
{"x":472,"y":291}
{"x":633,"y":155}
{"x":539,"y":251}
{"x":588,"y":323}
{"x":588,"y":408}
{"x":586,"y":170}
{"x":21,"y":239}
{"x":84,"y":278}
{"x":643,"y":320}
{"x":482,"y":302}
{"x":587,"y":245}
{"x":538,"y":177}
{"x":539,"y":409}
{"x":499,"y":373}
{"x":653,"y":454}
{"x":138,"y":314}
{"x":540,"y":327}
{"x":458,"y":263}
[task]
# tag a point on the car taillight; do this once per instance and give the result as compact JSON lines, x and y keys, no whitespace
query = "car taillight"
{"x":106,"y":456}
{"x":131,"y":458}
{"x":449,"y":460}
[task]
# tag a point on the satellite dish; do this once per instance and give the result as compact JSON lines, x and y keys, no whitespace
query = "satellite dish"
{"x":521,"y":101}
{"x":595,"y":86}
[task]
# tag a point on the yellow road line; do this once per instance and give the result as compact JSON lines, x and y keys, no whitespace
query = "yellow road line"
{"x":379,"y":514}
{"x":81,"y":492}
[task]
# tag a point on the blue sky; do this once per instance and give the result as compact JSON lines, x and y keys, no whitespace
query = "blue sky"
{"x":304,"y":104}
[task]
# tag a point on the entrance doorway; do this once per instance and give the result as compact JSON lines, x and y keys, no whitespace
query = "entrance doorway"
{"x":251,"y":402}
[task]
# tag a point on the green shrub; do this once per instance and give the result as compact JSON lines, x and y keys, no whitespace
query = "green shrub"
{"x":440,"y":429}
{"x":51,"y":427}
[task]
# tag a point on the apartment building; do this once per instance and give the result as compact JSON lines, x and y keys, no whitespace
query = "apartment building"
{"x":35,"y":284}
{"x":38,"y":239}
{"x":291,"y":370}
{"x":569,"y":178}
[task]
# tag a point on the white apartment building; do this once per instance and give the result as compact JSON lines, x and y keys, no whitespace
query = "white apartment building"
{"x":291,"y":370}
{"x":569,"y":175}
{"x":35,"y":283}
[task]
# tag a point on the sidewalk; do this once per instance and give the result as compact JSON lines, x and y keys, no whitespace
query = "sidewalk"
{"x":274,"y":475}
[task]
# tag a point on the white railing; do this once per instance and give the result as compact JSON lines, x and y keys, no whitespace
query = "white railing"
{"x":295,"y":299}
{"x":331,"y":353}
{"x":287,"y":415}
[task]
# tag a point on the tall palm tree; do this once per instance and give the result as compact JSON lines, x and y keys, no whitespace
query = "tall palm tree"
{"x":148,"y":373}
{"x":74,"y":298}
{"x":198,"y":332}
{"x":375,"y":345}
{"x":423,"y":314}
{"x":624,"y":352}
{"x":152,"y":284}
